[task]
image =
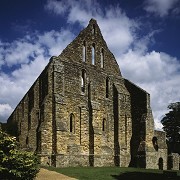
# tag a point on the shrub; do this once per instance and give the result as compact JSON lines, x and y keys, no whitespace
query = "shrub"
{"x":14,"y":163}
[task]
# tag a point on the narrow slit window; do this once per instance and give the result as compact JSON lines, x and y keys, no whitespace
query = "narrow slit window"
{"x":102,"y":58}
{"x":93,"y":54}
{"x":84,"y":51}
{"x":107,"y":87}
{"x":93,"y":29}
{"x":104,"y":124}
{"x":71,"y":124}
{"x":83,"y":80}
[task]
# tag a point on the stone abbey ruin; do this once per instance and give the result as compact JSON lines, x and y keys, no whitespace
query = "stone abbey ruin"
{"x":80,"y":111}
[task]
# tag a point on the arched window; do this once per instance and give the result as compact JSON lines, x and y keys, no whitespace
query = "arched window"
{"x":102,"y":58}
{"x":155,"y":143}
{"x":104,"y":124}
{"x":107,"y":87}
{"x":83,"y":80}
{"x":72,"y":123}
{"x":93,"y":54}
{"x":160,"y":163}
{"x":84,"y":51}
{"x":93,"y":29}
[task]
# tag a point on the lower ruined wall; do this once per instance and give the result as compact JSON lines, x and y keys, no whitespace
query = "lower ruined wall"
{"x":157,"y":160}
{"x":70,"y":160}
{"x":65,"y":160}
{"x":174,"y":161}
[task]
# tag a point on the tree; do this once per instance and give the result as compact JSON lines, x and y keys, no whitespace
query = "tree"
{"x":14,"y":163}
{"x":171,"y":125}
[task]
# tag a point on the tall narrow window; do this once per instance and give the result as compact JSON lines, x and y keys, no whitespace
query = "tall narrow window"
{"x":72,"y":123}
{"x":84,"y":51}
{"x":93,"y":29}
{"x":102,"y":58}
{"x":93,"y":54}
{"x":83,"y":80}
{"x":104,"y":124}
{"x":107,"y":87}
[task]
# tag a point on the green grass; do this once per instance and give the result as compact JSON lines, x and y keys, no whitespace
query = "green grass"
{"x":107,"y":173}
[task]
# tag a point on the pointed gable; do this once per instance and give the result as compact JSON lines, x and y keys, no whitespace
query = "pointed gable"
{"x":90,"y":48}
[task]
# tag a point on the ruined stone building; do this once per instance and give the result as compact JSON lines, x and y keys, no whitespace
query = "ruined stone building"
{"x":81,"y":111}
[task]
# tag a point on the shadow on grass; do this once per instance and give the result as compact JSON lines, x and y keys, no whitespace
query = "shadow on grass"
{"x":144,"y":176}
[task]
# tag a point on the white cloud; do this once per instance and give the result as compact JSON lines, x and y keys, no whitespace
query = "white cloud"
{"x":160,"y":7}
{"x":31,"y":54}
{"x":5,"y":110}
{"x":156,"y":72}
{"x":116,"y":27}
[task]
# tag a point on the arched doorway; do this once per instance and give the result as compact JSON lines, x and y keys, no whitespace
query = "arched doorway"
{"x":160,"y":163}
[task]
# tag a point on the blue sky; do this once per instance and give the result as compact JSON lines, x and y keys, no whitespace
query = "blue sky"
{"x":142,"y":34}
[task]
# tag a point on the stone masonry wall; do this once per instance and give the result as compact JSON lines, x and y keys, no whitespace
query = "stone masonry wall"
{"x":81,"y":112}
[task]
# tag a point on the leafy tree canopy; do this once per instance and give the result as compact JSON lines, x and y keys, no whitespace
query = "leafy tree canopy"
{"x":171,"y":125}
{"x":14,"y":163}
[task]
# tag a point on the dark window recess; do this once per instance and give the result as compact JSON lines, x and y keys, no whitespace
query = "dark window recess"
{"x":155,"y":143}
{"x":72,"y":128}
{"x":107,"y":87}
{"x":104,"y":124}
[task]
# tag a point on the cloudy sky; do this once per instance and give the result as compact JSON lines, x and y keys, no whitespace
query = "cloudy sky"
{"x":142,"y":34}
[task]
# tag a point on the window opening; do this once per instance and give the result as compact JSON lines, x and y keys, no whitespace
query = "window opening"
{"x":160,"y":163}
{"x":104,"y":124}
{"x":83,"y":80}
{"x":93,"y":54}
{"x":155,"y":143}
{"x":107,"y":87}
{"x":72,"y":129}
{"x":93,"y":29}
{"x":102,"y":58}
{"x":84,"y":51}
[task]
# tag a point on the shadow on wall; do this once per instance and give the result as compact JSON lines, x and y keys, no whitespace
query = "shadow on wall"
{"x":116,"y":127}
{"x":91,"y":130}
{"x":144,"y":176}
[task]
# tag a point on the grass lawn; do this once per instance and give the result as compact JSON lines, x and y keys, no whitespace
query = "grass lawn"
{"x":107,"y":173}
